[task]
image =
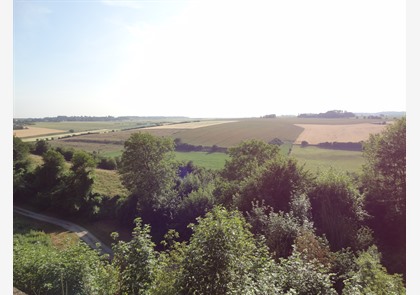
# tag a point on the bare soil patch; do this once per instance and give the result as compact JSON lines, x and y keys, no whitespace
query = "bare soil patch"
{"x":316,"y":133}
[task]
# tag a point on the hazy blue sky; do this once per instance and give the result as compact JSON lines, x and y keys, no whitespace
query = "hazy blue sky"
{"x":207,"y":58}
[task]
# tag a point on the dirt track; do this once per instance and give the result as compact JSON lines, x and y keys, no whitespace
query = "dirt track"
{"x":81,"y":232}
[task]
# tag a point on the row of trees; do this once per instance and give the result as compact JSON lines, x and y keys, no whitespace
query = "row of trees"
{"x":329,"y":114}
{"x":262,"y":225}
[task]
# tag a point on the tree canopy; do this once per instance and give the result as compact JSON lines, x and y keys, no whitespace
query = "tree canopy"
{"x":147,"y":167}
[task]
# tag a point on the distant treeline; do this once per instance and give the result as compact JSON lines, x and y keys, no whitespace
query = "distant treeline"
{"x":186,"y":147}
{"x":330,"y":114}
{"x":348,"y":146}
{"x":89,"y":118}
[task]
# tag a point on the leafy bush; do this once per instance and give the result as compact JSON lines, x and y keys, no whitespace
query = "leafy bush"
{"x":135,"y":261}
{"x":224,"y":258}
{"x":372,"y":278}
{"x":39,"y":268}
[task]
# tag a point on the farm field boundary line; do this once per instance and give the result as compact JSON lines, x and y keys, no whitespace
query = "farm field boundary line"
{"x":63,"y":135}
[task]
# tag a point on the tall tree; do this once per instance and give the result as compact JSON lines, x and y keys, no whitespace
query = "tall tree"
{"x":148,"y":169}
{"x":77,"y":188}
{"x":51,"y":172}
{"x":384,"y":181}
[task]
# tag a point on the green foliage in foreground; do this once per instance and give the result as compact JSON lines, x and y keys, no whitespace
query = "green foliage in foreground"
{"x":222,"y":257}
{"x":135,"y":261}
{"x":372,"y":278}
{"x":39,"y":268}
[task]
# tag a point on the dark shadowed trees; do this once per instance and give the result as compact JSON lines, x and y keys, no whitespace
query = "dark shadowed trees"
{"x":21,"y":165}
{"x":78,"y":186}
{"x":384,"y":181}
{"x":337,"y":209}
{"x":41,"y":146}
{"x":275,"y":182}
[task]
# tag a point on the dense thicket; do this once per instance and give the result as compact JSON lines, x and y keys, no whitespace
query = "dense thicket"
{"x":384,"y":184}
{"x":262,"y":225}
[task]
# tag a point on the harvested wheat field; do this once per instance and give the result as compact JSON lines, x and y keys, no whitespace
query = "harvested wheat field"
{"x":190,"y":125}
{"x":316,"y":133}
{"x":35,"y":131}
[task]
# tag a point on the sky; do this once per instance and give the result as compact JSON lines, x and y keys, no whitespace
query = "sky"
{"x":207,"y":59}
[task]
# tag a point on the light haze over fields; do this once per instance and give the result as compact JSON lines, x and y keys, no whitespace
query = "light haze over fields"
{"x":207,"y":58}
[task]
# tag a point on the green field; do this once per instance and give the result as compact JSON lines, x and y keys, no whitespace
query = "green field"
{"x":315,"y":159}
{"x":229,"y":135}
{"x":108,"y":183}
{"x":319,"y":159}
{"x":213,"y":161}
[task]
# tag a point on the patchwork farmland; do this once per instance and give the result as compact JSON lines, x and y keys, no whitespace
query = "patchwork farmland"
{"x":229,"y":133}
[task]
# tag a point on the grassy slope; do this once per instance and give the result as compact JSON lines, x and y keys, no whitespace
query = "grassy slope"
{"x":108,"y":183}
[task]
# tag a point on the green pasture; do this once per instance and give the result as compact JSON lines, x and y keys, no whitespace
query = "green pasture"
{"x":112,"y":153}
{"x":213,"y":161}
{"x":316,"y":159}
